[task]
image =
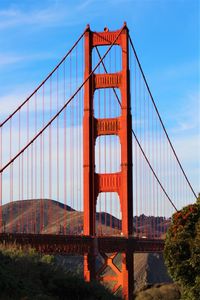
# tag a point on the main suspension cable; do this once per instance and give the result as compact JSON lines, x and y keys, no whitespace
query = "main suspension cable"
{"x":163,"y":126}
{"x":43,"y":82}
{"x":63,"y":107}
{"x":146,"y":158}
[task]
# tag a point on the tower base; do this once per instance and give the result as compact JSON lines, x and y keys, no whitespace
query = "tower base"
{"x":118,"y":276}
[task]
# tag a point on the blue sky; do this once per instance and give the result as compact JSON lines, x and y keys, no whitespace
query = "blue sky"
{"x":34,"y":35}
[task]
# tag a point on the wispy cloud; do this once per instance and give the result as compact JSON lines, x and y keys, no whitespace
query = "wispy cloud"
{"x":190,"y":158}
{"x":13,"y":58}
{"x":169,"y":77}
{"x":180,"y":70}
{"x":16,"y":16}
{"x":56,"y":14}
{"x":10,"y":101}
{"x":185,"y":146}
{"x":84,"y":4}
{"x":188,"y":117}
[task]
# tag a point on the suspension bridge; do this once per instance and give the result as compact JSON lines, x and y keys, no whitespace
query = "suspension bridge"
{"x":86,"y":163}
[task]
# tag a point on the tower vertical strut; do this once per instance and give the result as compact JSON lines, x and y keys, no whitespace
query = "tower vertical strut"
{"x":120,"y":182}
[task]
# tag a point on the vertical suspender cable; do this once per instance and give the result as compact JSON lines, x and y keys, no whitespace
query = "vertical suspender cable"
{"x":10,"y":183}
{"x":71,"y":151}
{"x":28,"y":220}
{"x":65,"y":159}
{"x":57,"y":152}
{"x":36,"y":167}
{"x":50,"y":219}
{"x":1,"y":192}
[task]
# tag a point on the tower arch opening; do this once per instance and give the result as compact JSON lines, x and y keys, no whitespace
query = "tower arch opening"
{"x":106,"y":103}
{"x":108,"y":214}
{"x":107,"y":154}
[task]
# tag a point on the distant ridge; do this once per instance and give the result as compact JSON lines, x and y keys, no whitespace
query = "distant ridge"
{"x":51,"y":216}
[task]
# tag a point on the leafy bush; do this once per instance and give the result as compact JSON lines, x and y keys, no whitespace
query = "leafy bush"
{"x":182,"y":250}
{"x":26,"y":275}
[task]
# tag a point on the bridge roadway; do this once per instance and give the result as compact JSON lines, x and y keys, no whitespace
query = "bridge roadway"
{"x":80,"y":244}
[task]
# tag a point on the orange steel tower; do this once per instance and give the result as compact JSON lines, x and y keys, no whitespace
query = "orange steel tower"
{"x":120,"y":182}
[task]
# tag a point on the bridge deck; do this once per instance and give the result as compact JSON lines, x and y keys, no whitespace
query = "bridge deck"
{"x":74,"y":244}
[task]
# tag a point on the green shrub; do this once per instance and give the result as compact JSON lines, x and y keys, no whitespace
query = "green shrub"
{"x":182,"y":250}
{"x":26,"y":275}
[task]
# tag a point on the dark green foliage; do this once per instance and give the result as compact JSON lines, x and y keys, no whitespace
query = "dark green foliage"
{"x":29,"y":276}
{"x":182,"y":250}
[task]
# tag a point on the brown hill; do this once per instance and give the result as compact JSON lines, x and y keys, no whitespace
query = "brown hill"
{"x":50,"y":216}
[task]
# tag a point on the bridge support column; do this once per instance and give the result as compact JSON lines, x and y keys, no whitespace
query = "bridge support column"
{"x":89,"y":267}
{"x":120,"y":182}
{"x":121,"y":278}
{"x":127,"y":275}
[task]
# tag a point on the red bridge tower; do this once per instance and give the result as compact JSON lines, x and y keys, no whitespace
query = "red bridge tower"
{"x":120,"y":182}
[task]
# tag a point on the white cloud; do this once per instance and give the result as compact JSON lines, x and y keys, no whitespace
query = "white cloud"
{"x":10,"y":101}
{"x":56,"y":14}
{"x":174,"y":72}
{"x":73,"y":157}
{"x":188,"y":148}
{"x":12,"y":58}
{"x":187,"y":118}
{"x":84,"y":4}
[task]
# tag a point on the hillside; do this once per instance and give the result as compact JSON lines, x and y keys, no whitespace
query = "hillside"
{"x":50,"y":216}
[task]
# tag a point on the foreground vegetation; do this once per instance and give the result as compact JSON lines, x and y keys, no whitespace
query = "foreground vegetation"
{"x":25,"y":275}
{"x":182,"y":250}
{"x":159,"y":292}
